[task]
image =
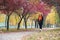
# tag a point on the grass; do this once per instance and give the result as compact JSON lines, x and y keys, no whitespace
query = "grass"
{"x":15,"y":30}
{"x":53,"y":34}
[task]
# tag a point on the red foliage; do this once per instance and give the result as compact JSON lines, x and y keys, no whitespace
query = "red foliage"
{"x":42,"y":7}
{"x":10,"y":5}
{"x":27,"y":6}
{"x":31,"y":7}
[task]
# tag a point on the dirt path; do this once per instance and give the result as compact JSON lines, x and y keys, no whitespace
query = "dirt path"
{"x":13,"y":36}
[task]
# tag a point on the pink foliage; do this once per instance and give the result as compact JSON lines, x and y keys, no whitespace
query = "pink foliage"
{"x":31,"y":8}
{"x":12,"y":5}
{"x":27,"y":6}
{"x":42,"y":7}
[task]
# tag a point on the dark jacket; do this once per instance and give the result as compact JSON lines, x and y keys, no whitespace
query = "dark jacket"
{"x":40,"y":21}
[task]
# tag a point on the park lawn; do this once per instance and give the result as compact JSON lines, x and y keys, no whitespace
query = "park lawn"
{"x":53,"y":34}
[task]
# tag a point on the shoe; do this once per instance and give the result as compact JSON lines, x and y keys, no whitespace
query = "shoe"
{"x":40,"y":29}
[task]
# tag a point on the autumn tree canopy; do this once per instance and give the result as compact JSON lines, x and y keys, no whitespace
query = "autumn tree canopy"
{"x":55,"y":3}
{"x":28,"y":7}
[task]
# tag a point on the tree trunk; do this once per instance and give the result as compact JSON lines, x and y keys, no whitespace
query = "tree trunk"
{"x":35,"y":24}
{"x":25,"y":21}
{"x":19,"y":24}
{"x":8,"y":22}
{"x":31,"y":25}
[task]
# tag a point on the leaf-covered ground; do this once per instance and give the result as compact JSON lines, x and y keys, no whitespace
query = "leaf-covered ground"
{"x":44,"y":35}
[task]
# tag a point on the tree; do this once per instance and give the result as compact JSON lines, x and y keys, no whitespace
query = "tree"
{"x":55,"y":3}
{"x":26,"y":8}
{"x":54,"y":15}
{"x":8,"y":6}
{"x":29,"y":7}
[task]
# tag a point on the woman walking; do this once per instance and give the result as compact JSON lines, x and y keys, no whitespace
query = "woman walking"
{"x":40,"y":21}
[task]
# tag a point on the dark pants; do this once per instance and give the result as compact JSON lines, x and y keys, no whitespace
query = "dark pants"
{"x":40,"y":25}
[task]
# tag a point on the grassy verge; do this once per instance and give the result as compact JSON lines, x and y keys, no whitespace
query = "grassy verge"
{"x":15,"y":30}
